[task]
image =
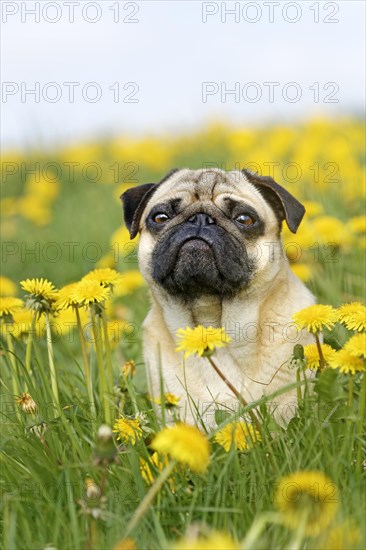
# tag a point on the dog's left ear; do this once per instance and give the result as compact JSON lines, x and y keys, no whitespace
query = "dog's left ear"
{"x":134,"y":201}
{"x":285,"y":206}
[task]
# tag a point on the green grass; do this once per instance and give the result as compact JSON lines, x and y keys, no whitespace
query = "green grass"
{"x":44,"y":481}
{"x":47,"y":457}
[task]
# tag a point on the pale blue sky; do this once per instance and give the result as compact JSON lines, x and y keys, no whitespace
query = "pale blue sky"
{"x":169,"y":53}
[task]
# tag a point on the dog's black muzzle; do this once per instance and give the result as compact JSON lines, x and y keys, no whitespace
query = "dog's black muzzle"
{"x":199,"y":257}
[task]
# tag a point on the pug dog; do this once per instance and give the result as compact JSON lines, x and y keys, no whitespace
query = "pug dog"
{"x":210,"y":250}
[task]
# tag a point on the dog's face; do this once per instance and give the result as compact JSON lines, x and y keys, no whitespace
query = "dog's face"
{"x":209,"y":232}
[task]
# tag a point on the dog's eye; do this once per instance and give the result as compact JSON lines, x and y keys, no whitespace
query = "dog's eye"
{"x":245,"y":220}
{"x":160,"y":218}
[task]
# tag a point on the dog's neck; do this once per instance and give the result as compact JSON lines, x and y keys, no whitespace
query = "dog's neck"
{"x":245,"y":308}
{"x":206,"y":310}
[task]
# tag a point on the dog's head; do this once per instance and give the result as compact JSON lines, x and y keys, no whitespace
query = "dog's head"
{"x":209,"y":232}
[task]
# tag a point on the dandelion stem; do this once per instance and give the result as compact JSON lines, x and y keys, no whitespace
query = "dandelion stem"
{"x":295,"y":543}
{"x":14,"y":367}
{"x":88,"y":378}
{"x":257,"y":527}
{"x":92,"y":535}
{"x":236,"y":393}
{"x":320,"y":352}
{"x":102,"y":378}
{"x":298,"y":388}
{"x":350,"y":393}
{"x":360,"y":422}
{"x":54,"y":385}
{"x":148,"y":498}
{"x":28,"y":352}
{"x":108,"y":354}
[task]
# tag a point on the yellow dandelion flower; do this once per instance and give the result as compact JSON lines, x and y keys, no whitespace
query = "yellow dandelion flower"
{"x":65,"y":298}
{"x":105,"y":275}
{"x":129,"y":282}
{"x":41,"y":289}
{"x":7,"y":287}
{"x":356,"y":345}
{"x":201,"y":340}
{"x":27,"y":403}
{"x":341,"y":537}
{"x":129,"y":368}
{"x":9,"y":305}
{"x":152,"y":153}
{"x":65,"y":321}
{"x":358,"y":224}
{"x":213,"y":541}
{"x":304,"y":239}
{"x":44,"y":189}
{"x":88,"y":292}
{"x":159,"y":463}
{"x":170,"y":400}
{"x":41,"y":295}
{"x":353,"y":315}
{"x":22,"y":323}
{"x":145,"y":469}
{"x":128,"y":430}
{"x":347,"y":363}
{"x":302,"y":271}
{"x":81,"y":153}
{"x":332,"y":230}
{"x":310,"y":497}
{"x":125,"y":544}
{"x":9,"y":207}
{"x":35,"y":209}
{"x":316,"y":317}
{"x":312,"y":355}
{"x":238,"y":434}
{"x":185,"y":444}
{"x":312,"y":208}
{"x":361,"y":241}
{"x":121,"y":243}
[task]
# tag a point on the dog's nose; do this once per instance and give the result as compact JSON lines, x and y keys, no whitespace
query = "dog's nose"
{"x":201,"y":219}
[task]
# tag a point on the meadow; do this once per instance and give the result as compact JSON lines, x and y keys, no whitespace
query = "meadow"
{"x":87,"y":461}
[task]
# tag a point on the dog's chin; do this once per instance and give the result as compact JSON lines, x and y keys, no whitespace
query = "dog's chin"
{"x":199,"y":270}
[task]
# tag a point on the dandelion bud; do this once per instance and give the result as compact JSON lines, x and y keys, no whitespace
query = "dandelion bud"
{"x":129,"y":369}
{"x":104,"y":433}
{"x":105,"y":448}
{"x":298,"y":351}
{"x":92,"y":491}
{"x":39,"y":429}
{"x":27,"y":403}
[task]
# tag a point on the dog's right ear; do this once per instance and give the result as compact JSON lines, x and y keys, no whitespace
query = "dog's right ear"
{"x":134,"y":201}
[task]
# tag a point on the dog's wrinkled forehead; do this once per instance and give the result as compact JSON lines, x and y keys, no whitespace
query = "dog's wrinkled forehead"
{"x":206,"y":185}
{"x":204,"y":182}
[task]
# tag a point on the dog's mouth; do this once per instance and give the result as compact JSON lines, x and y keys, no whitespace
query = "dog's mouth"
{"x":196,"y":243}
{"x":189,"y":263}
